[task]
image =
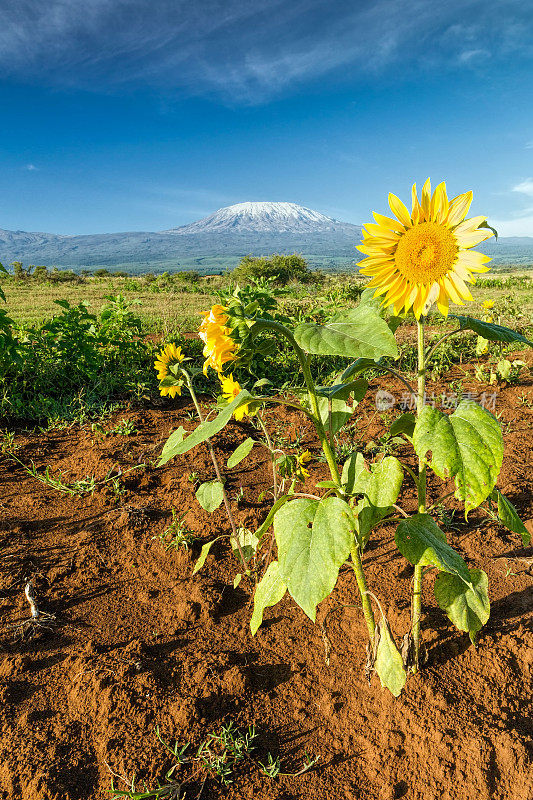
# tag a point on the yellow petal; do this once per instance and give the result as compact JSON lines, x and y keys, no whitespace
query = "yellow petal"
{"x":399,"y":210}
{"x":425,"y":201}
{"x":459,"y":208}
{"x":388,"y":222}
{"x":439,"y":203}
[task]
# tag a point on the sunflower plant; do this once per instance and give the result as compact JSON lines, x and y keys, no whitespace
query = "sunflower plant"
{"x":417,"y":258}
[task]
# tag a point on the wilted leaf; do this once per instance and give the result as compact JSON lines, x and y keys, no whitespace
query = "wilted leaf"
{"x":388,"y":663}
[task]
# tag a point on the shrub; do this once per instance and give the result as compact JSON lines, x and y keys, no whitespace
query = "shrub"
{"x":279,"y":267}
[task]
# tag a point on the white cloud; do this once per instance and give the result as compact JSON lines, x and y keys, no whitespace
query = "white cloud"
{"x":526,"y":187}
{"x":31,"y":167}
{"x":521,"y":226}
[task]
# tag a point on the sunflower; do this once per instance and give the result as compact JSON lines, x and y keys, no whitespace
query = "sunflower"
{"x":488,"y":304}
{"x":302,"y":461}
{"x":424,"y":255}
{"x":165,"y":361}
{"x":219,"y":347}
{"x":230,"y":390}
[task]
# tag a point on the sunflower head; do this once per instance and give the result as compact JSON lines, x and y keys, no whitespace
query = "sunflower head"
{"x":219,"y":347}
{"x":230,"y":390}
{"x":488,"y":304}
{"x":167,"y":365}
{"x":302,"y":461}
{"x":424,"y":255}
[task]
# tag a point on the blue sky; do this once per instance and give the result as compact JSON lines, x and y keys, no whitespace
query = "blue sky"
{"x":135,"y":115}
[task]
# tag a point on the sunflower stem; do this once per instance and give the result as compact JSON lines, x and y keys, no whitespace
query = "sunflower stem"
{"x":217,"y":470}
{"x":421,"y":490}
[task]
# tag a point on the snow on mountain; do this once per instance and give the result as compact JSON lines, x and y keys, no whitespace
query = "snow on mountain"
{"x":262,"y":217}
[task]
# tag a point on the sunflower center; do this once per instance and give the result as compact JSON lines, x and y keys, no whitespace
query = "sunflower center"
{"x":426,"y":252}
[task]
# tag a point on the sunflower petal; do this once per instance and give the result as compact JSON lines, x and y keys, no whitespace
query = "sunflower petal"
{"x":399,"y":210}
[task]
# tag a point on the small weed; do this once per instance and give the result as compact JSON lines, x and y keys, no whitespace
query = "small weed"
{"x":193,"y":478}
{"x":217,"y":756}
{"x":7,"y":443}
{"x":177,"y":535}
{"x":239,"y":496}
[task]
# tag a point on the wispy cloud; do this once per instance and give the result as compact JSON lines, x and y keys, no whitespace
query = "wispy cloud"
{"x":248,"y":51}
{"x":525,"y":187}
{"x":31,"y":167}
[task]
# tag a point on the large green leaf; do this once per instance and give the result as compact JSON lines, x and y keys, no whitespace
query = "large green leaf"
{"x":314,"y":539}
{"x":508,"y":516}
{"x":358,"y":332}
{"x":240,"y":453}
{"x":176,"y":445}
{"x":388,"y":662}
{"x":467,"y":446}
{"x":490,"y":331}
{"x":383,"y":484}
{"x":422,"y":543}
{"x":268,"y":592}
{"x":467,"y":607}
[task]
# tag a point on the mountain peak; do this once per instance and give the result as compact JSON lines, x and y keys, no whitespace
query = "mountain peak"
{"x":262,"y":217}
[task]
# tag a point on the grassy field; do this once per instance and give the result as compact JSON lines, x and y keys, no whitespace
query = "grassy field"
{"x":173,"y":306}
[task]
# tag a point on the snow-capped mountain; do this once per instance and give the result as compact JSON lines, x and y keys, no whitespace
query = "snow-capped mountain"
{"x":217,"y":242}
{"x":260,"y":217}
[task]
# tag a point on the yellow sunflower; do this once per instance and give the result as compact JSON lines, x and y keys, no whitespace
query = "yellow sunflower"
{"x":219,"y":347}
{"x":302,"y":462}
{"x":488,"y":304}
{"x":169,"y":356}
{"x":423,"y":256}
{"x":230,"y":390}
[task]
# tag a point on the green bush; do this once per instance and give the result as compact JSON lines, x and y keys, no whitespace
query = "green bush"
{"x":280,"y":268}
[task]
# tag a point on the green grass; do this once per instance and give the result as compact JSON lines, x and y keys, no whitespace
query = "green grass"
{"x":173,"y":306}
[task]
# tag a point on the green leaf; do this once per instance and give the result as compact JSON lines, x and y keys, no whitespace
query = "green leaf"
{"x":248,"y":542}
{"x":240,"y":453}
{"x":341,"y":412}
{"x":263,"y":528}
{"x":490,"y":331}
{"x":358,"y":332}
{"x":314,"y":540}
{"x":343,"y":391}
{"x":388,"y":662}
{"x":204,"y":552}
{"x":367,"y":299}
{"x":508,"y":516}
{"x":176,"y":446}
{"x":422,"y":543}
{"x":404,"y":424}
{"x":210,"y":495}
{"x":236,"y":580}
{"x":354,"y":474}
{"x":383,"y":484}
{"x":468,"y":608}
{"x":268,"y":592}
{"x":358,"y":366}
{"x":467,"y":446}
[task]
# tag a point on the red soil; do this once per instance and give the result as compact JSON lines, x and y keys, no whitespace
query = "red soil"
{"x":138,"y":642}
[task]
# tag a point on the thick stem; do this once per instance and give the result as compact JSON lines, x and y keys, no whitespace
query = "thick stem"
{"x":421,"y":488}
{"x":363,"y":591}
{"x":217,"y":470}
